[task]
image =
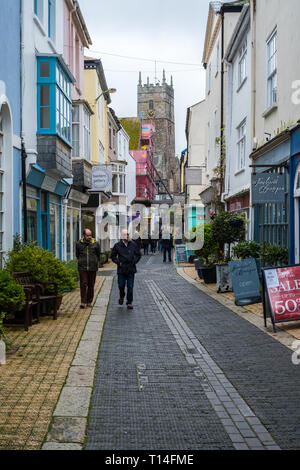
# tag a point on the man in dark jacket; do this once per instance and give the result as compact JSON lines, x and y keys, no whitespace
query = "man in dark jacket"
{"x":88,"y":255}
{"x":167,"y":245}
{"x":126,"y":255}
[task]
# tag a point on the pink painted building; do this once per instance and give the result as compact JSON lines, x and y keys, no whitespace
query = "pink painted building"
{"x":145,"y":171}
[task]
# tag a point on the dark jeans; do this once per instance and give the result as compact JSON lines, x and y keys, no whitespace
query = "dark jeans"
{"x":165,"y":250}
{"x":122,"y":279}
{"x":87,"y":282}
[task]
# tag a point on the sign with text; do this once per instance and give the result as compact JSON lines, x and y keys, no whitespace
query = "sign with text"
{"x":268,"y":187}
{"x":245,"y":281}
{"x":282,"y":286}
{"x":101,"y":178}
{"x":181,"y":255}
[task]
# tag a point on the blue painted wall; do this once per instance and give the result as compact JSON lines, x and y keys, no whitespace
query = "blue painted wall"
{"x":10,"y":74}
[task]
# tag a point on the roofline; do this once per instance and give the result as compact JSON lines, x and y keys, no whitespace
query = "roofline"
{"x":97,"y":65}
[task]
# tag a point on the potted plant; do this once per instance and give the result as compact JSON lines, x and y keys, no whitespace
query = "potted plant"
{"x":227,"y":228}
{"x":204,"y":264}
{"x":247,"y":249}
{"x":274,"y":255}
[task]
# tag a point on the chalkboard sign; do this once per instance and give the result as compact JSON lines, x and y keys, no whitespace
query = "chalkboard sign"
{"x":281,"y":294}
{"x":181,"y":254}
{"x":245,"y":281}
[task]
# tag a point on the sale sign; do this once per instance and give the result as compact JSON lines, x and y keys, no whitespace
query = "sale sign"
{"x":283,"y":287}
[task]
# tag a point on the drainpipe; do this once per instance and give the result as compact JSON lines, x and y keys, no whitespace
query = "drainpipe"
{"x":23,"y":152}
{"x":253,"y":99}
{"x":222,"y":105}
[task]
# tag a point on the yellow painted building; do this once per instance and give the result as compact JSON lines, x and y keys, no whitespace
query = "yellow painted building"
{"x":95,"y":92}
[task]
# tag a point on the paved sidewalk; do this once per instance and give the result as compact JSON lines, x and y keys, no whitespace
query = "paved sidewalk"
{"x":32,"y":379}
{"x":183,"y":372}
{"x":286,"y":332}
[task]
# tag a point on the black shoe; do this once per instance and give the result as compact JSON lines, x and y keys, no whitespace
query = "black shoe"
{"x":129,"y":306}
{"x":121,"y":301}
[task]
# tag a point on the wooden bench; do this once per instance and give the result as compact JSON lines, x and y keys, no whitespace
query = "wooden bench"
{"x":48,"y":303}
{"x":25,"y":316}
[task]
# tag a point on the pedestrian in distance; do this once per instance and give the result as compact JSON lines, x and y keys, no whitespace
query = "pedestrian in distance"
{"x":88,"y":256}
{"x":167,"y":245}
{"x":153,"y":245}
{"x":126,"y":255}
{"x":145,"y":242}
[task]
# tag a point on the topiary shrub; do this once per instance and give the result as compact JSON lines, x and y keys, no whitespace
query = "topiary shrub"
{"x":210,"y":246}
{"x":247,"y":249}
{"x":273,"y":255}
{"x":43,"y":266}
{"x":227,"y":228}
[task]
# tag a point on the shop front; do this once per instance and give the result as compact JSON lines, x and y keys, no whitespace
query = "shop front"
{"x":240,"y":205}
{"x":271,"y":210}
{"x":44,"y":204}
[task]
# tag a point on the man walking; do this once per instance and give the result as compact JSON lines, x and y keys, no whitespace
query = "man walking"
{"x":167,"y":245}
{"x":88,"y":256}
{"x":126,"y":255}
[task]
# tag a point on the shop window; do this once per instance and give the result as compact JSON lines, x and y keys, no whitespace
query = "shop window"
{"x":54,"y":98}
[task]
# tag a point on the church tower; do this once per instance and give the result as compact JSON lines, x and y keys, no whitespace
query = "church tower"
{"x":156,"y":104}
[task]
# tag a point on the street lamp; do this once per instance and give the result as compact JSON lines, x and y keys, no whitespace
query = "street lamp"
{"x":110,"y":90}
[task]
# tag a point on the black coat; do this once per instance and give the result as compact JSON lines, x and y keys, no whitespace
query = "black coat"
{"x":167,"y":242}
{"x":126,"y":257}
{"x":88,"y":255}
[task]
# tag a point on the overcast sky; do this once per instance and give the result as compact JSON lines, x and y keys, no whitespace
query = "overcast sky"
{"x":161,"y":30}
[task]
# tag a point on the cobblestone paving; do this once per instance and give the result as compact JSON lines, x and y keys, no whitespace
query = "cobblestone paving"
{"x":182,"y":372}
{"x":32,"y":378}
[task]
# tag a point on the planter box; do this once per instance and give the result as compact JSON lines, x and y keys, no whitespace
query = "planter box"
{"x":200,"y":275}
{"x":209,"y":274}
{"x":224,"y":283}
{"x":198,"y":264}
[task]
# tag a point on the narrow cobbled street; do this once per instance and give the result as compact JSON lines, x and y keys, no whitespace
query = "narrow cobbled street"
{"x":181,"y":371}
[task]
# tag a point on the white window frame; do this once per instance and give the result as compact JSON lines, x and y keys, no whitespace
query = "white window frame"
{"x":242,"y":68}
{"x":241,"y":146}
{"x":271,"y":69}
{"x":77,"y":124}
{"x":209,"y":78}
{"x":86,"y":134}
{"x":215,"y":138}
{"x":208,"y":147}
{"x":120,"y":172}
{"x":217,"y":58}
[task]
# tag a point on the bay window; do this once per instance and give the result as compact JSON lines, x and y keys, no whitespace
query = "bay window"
{"x":53,"y":98}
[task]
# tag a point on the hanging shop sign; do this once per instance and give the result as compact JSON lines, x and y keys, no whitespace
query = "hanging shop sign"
{"x":245,"y":281}
{"x":281,"y":294}
{"x":268,"y":187}
{"x":101,"y":178}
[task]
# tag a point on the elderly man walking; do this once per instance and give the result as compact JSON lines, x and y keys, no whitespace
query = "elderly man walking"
{"x":126,"y":255}
{"x":88,"y":256}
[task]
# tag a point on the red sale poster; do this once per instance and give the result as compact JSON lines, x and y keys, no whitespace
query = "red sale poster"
{"x":283,"y":287}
